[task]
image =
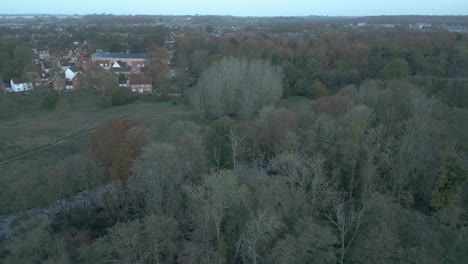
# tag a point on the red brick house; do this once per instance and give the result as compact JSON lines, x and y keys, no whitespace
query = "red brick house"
{"x":140,"y":83}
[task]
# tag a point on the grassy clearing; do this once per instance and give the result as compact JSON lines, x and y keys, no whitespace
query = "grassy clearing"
{"x":22,"y":180}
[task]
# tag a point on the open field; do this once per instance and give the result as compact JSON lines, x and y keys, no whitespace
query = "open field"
{"x":32,"y":144}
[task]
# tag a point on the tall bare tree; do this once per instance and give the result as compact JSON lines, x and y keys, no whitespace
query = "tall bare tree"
{"x":237,"y":87}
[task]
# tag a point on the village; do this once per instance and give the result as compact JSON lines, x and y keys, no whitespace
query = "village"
{"x":61,"y":70}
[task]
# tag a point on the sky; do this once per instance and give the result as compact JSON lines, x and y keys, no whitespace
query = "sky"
{"x":239,"y":7}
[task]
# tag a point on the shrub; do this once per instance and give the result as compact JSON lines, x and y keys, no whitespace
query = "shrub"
{"x":104,"y":102}
{"x":50,"y":100}
{"x":122,"y":97}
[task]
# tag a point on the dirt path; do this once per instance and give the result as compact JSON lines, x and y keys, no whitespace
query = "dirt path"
{"x":88,"y":198}
{"x":63,"y":140}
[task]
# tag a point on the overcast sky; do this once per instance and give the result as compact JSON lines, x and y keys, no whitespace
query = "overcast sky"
{"x":239,"y":7}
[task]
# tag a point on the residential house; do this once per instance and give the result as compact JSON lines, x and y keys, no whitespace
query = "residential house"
{"x":128,"y":58}
{"x":73,"y":55}
{"x":121,"y":70}
{"x":58,"y":82}
{"x":71,"y":72}
{"x":105,"y":64}
{"x":46,"y":66}
{"x":140,"y":83}
{"x":19,"y":85}
{"x":45,"y":78}
{"x":85,"y":63}
{"x":43,"y":53}
{"x":64,"y":64}
{"x":35,"y":77}
{"x":71,"y":85}
{"x":123,"y":83}
{"x":135,"y":60}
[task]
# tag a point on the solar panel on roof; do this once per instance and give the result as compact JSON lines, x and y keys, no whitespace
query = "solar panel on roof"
{"x":120,"y":55}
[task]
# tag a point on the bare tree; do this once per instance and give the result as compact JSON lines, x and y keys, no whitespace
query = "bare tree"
{"x":236,"y":86}
{"x":258,"y":232}
{"x":236,"y":141}
{"x":157,"y":178}
{"x":347,"y":221}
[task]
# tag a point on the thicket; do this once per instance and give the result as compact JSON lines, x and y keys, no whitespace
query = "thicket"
{"x":318,"y":182}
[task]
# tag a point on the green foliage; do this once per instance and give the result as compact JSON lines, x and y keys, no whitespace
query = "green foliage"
{"x":8,"y":107}
{"x":150,"y":240}
{"x":453,"y":91}
{"x":104,"y":102}
{"x":219,"y":147}
{"x":50,"y":100}
{"x":452,"y":178}
{"x":298,"y":174}
{"x":210,"y":202}
{"x":122,"y":96}
{"x":13,"y":69}
{"x":396,"y":69}
{"x":459,"y":56}
{"x":309,"y":243}
{"x":23,"y":54}
{"x":35,"y":244}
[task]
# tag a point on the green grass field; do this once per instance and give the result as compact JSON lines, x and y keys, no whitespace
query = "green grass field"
{"x":30,"y":139}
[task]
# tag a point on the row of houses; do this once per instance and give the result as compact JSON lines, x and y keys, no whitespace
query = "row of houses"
{"x":62,"y":70}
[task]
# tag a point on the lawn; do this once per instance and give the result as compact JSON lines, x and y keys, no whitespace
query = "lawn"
{"x":31,"y":138}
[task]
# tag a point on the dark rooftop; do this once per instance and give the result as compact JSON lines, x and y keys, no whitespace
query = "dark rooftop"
{"x":120,"y":55}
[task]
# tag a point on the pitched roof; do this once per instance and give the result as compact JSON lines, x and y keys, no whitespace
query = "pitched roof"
{"x":119,"y":55}
{"x":47,"y":64}
{"x":44,"y":75}
{"x":65,"y":62}
{"x":121,"y":69}
{"x":19,"y":81}
{"x":74,"y":69}
{"x":139,"y":80}
{"x":103,"y":62}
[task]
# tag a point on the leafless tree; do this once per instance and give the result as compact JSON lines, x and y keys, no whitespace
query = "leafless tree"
{"x":347,"y":221}
{"x":236,"y":140}
{"x":258,"y":232}
{"x":236,"y":86}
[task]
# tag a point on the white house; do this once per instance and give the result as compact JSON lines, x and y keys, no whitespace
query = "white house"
{"x":20,"y":86}
{"x":70,"y":73}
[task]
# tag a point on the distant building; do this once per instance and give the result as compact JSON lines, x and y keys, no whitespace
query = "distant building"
{"x":46,"y":66}
{"x":140,"y":84}
{"x":45,"y":78}
{"x":64,"y":64}
{"x":123,"y":83}
{"x":44,"y":54}
{"x":71,"y":72}
{"x":58,"y":82}
{"x":18,"y":85}
{"x":105,"y":64}
{"x":133,"y":60}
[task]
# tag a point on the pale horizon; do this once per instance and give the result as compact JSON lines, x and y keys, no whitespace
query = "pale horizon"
{"x":242,"y":8}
